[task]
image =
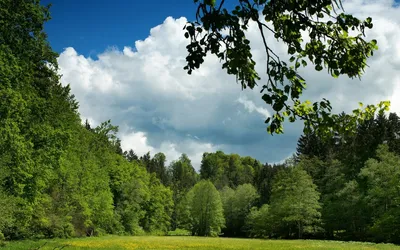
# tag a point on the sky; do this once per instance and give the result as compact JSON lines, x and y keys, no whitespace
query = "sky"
{"x":124,"y":61}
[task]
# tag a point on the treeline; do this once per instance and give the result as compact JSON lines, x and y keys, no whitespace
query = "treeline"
{"x":61,"y":177}
{"x":347,"y":188}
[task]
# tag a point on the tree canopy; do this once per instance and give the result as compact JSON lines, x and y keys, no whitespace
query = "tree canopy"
{"x":317,"y":32}
{"x":205,"y":209}
{"x":295,"y":201}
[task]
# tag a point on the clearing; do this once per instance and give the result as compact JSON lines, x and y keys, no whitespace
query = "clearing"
{"x":186,"y":242}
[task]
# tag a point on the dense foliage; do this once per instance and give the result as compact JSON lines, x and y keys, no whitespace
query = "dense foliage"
{"x":59,"y":177}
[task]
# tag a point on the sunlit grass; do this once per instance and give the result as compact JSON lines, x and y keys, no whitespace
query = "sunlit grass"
{"x":185,"y":242}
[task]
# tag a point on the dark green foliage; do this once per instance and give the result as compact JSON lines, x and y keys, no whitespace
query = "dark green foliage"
{"x":263,"y":179}
{"x":131,"y":155}
{"x":341,"y":177}
{"x":354,"y":150}
{"x":311,"y":145}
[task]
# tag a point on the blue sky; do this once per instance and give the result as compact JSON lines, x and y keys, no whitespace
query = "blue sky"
{"x":142,"y":87}
{"x":90,"y":26}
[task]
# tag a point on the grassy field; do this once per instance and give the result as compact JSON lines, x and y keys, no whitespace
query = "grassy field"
{"x":182,"y":242}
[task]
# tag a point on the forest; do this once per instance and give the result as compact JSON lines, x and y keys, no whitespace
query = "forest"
{"x":62,"y":177}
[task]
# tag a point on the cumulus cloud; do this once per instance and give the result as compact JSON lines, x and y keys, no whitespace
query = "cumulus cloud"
{"x":144,"y":89}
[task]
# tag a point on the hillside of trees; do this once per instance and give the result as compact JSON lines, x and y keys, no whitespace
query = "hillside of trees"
{"x":61,"y":177}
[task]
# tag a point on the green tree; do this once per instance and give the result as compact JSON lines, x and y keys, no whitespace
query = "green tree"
{"x":310,"y":38}
{"x":383,"y":194}
{"x":237,"y":204}
{"x":182,"y":177}
{"x":227,"y":170}
{"x":82,"y":192}
{"x":263,"y":179}
{"x":258,"y":222}
{"x":213,"y":167}
{"x":183,"y":218}
{"x":295,"y":202}
{"x":37,"y":116}
{"x":353,"y":150}
{"x":158,"y":167}
{"x":353,"y":216}
{"x":134,"y":193}
{"x":131,"y":155}
{"x":158,"y":207}
{"x":313,"y":146}
{"x":206,"y":211}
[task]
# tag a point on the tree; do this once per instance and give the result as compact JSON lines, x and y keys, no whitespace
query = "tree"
{"x":182,"y":173}
{"x":312,"y":146}
{"x":213,"y":167}
{"x":182,"y":212}
{"x":108,"y":133}
{"x":331,"y":45}
{"x":228,"y":170}
{"x":182,"y":177}
{"x":237,"y":204}
{"x":383,"y":194}
{"x":295,"y":202}
{"x":206,"y":211}
{"x":131,"y":155}
{"x":158,"y":207}
{"x":353,"y":216}
{"x":394,"y":132}
{"x":37,"y":115}
{"x":263,"y":179}
{"x":353,"y":151}
{"x":258,"y":222}
{"x":153,"y":165}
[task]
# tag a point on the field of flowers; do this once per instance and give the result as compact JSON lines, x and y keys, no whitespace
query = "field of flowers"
{"x":185,"y":242}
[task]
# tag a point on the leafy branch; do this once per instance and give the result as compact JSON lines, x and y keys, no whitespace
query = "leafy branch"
{"x":330,"y":46}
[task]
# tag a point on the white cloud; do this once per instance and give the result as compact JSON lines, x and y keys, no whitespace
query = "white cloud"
{"x":250,"y":106}
{"x":145,"y":89}
{"x":137,"y":141}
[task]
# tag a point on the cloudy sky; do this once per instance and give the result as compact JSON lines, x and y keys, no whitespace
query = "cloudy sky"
{"x":127,"y":66}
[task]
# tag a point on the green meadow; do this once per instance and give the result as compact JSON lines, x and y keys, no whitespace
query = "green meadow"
{"x":186,"y":242}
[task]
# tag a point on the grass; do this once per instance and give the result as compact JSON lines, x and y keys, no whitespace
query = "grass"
{"x":186,"y":242}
